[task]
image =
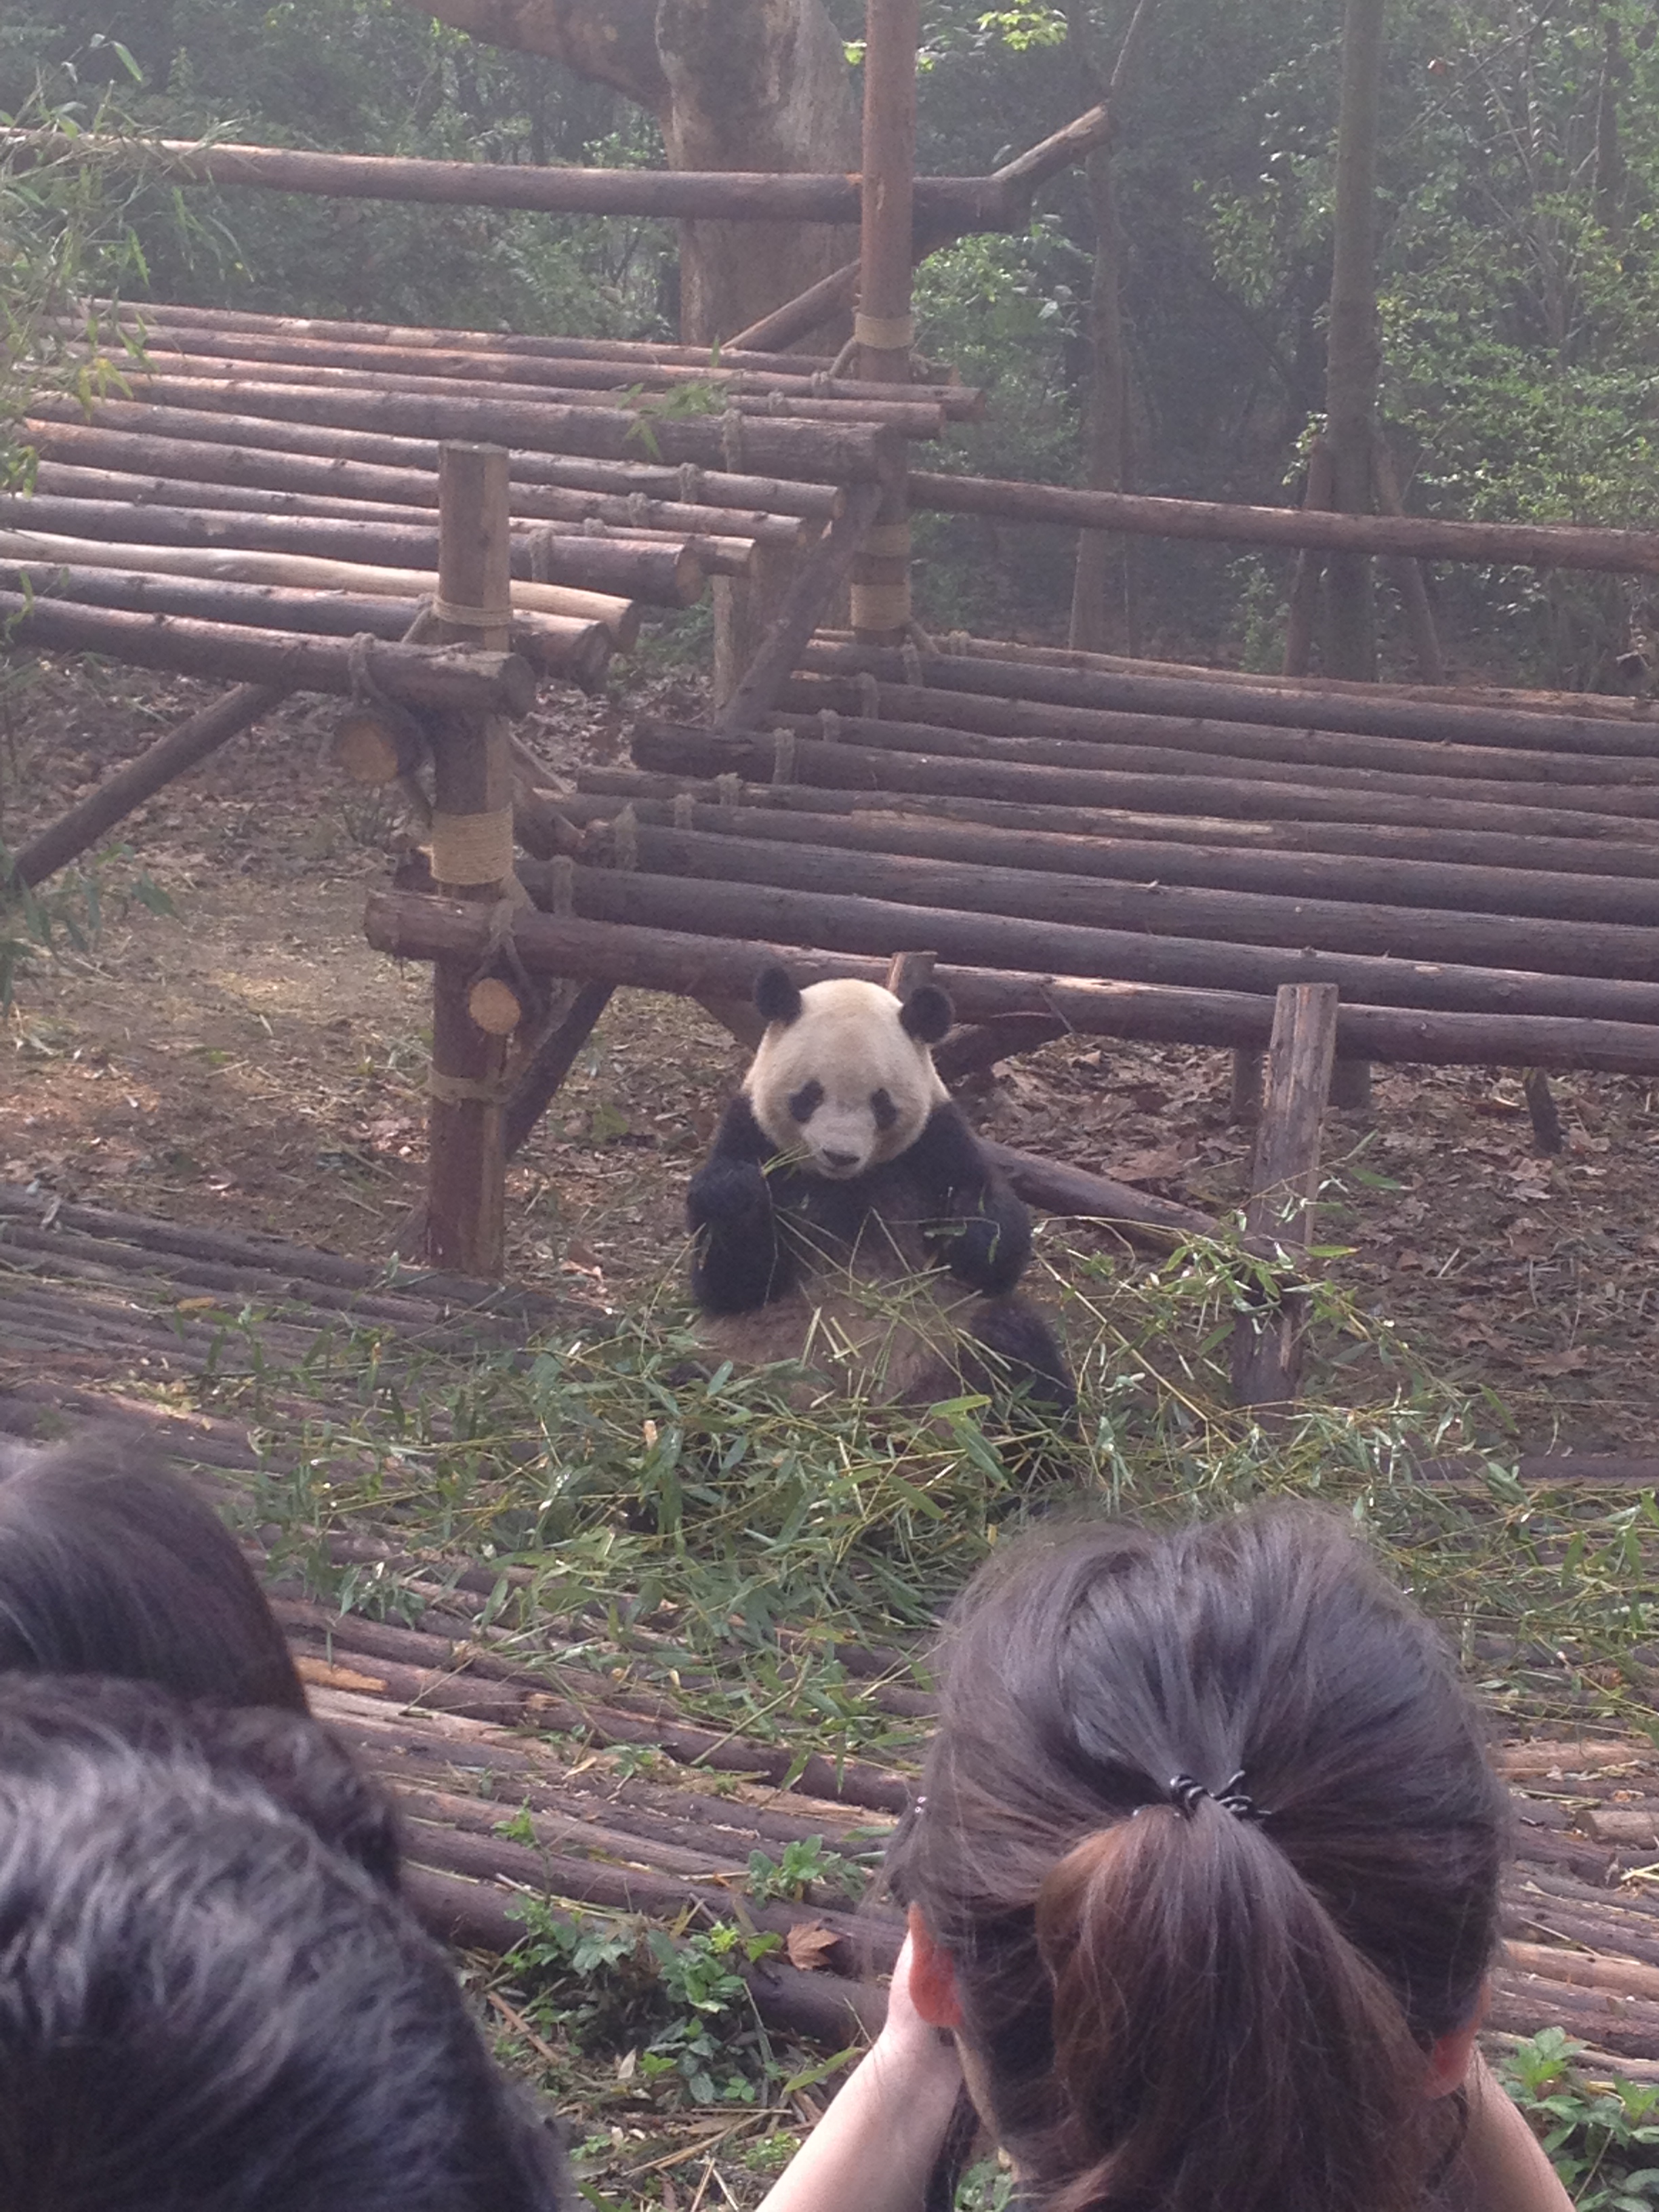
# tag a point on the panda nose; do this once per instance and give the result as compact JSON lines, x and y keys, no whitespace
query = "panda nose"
{"x":840,"y":1159}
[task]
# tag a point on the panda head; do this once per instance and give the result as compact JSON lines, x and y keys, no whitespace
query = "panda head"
{"x":844,"y":1078}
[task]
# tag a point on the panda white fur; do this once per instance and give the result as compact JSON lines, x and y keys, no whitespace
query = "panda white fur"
{"x":848,"y":1218}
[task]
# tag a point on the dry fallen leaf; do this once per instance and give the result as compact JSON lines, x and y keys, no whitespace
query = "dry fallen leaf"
{"x":808,"y":1945}
{"x":1572,"y":1362}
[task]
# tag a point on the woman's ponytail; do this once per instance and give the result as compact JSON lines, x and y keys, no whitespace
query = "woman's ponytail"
{"x":1216,"y":2041}
{"x":1180,"y":1997}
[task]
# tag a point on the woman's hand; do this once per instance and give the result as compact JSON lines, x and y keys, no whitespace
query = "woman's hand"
{"x":876,"y":2144}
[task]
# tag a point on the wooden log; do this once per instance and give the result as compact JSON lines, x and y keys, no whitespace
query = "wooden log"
{"x":1156,"y":1224}
{"x":726,"y":196}
{"x":1267,"y":1346}
{"x":718,"y":487}
{"x":1546,"y":1132}
{"x":538,"y":1079}
{"x":376,"y":742}
{"x":859,"y":922}
{"x":840,"y":767}
{"x":883,"y":328}
{"x":907,"y":418}
{"x":464,"y":1224}
{"x":1408,"y":574}
{"x":93,"y":817}
{"x":1357,"y":710}
{"x":1289,"y":874}
{"x":637,"y":352}
{"x":160,"y":337}
{"x":1609,"y":705}
{"x":816,"y":579}
{"x":1534,"y":545}
{"x":1302,"y":615}
{"x":911,"y":718}
{"x":556,"y":645}
{"x":1476,"y":940}
{"x":71,"y":446}
{"x":814,"y":452}
{"x":970,"y":1051}
{"x":1602,"y":849}
{"x":413,"y":927}
{"x":378,"y":557}
{"x":414,"y":675}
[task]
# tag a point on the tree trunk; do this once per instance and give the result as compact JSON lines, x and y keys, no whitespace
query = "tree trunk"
{"x":735,"y":84}
{"x":1354,"y":358}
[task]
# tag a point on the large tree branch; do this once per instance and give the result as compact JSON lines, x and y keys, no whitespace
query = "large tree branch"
{"x":612,"y":42}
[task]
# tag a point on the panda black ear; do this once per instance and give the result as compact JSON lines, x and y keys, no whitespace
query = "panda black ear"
{"x":926,"y":1014}
{"x":776,"y":996}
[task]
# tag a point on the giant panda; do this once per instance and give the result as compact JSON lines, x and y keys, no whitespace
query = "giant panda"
{"x":848,"y":1219}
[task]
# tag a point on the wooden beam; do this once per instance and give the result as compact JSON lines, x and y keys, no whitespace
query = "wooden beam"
{"x":539,"y":1077}
{"x":816,"y":579}
{"x":416,"y":927}
{"x":414,"y":675}
{"x":93,"y":817}
{"x":1535,"y":545}
{"x":1266,"y":1347}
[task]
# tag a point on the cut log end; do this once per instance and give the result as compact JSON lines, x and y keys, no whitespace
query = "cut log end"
{"x":495,"y":1006}
{"x":375,"y":744}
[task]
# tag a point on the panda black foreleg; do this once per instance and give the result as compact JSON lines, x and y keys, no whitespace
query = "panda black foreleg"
{"x":1023,"y":1353}
{"x":981,"y":1231}
{"x":738,"y":1259}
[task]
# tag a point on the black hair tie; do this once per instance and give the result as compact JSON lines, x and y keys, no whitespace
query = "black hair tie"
{"x":1185,"y":1792}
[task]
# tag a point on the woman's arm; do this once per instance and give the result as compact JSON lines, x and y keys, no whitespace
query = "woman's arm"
{"x":1504,"y":2165}
{"x":875,"y":2148}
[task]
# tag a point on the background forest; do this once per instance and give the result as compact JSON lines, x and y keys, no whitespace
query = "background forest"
{"x":1517,"y":241}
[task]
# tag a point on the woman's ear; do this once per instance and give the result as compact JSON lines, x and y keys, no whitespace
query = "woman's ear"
{"x":933,"y":1980}
{"x":1450,"y":2058}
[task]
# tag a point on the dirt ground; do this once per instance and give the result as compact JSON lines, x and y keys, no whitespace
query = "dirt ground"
{"x":249,"y":1062}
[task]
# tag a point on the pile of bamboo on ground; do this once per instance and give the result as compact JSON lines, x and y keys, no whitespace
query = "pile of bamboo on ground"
{"x":1143,"y":851}
{"x":259,"y":474}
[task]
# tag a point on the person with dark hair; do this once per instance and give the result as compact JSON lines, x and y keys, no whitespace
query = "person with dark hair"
{"x":111,"y":1564}
{"x":205,"y":2004}
{"x":1203,"y":1894}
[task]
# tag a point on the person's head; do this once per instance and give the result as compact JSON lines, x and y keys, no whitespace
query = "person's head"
{"x":204,"y":2005}
{"x":111,"y":1564}
{"x":1254,"y":1994}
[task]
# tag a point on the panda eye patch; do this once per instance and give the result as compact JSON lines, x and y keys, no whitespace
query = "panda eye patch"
{"x":882,"y":1106}
{"x":806,"y":1101}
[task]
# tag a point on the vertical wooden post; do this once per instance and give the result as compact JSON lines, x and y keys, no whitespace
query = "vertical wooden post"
{"x":1266,"y":1349}
{"x":472,"y":859}
{"x":883,"y":326}
{"x":1302,"y":617}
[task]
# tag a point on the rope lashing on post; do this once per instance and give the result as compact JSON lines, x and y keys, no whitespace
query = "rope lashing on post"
{"x":732,"y":442}
{"x":472,"y":848}
{"x":639,"y":509}
{"x":625,"y":840}
{"x":869,"y":693}
{"x":910,"y":659}
{"x":884,"y":333}
{"x":684,"y":811}
{"x":829,"y":726}
{"x":728,"y":789}
{"x":464,"y":1091}
{"x":783,"y":757}
{"x":881,"y":606}
{"x":471,"y":617}
{"x":690,"y":476}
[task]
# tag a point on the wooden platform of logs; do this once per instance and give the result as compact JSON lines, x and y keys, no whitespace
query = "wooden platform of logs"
{"x":471,"y":1719}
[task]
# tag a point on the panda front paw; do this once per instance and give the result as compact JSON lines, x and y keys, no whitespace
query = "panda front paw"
{"x":731,"y":1197}
{"x":978,"y":1250}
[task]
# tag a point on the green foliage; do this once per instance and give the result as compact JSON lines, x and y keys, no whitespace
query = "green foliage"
{"x":799,"y":1864}
{"x":67,"y":915}
{"x":673,"y":2007}
{"x":1604,"y":2142}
